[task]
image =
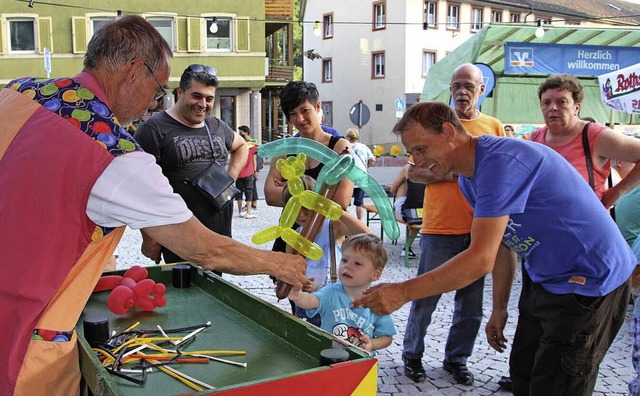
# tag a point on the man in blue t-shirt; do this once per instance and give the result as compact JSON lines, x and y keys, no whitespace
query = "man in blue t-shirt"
{"x":576,"y":263}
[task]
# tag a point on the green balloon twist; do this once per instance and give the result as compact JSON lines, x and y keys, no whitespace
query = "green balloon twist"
{"x":336,"y":168}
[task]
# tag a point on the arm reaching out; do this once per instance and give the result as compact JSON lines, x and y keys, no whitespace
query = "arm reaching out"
{"x":464,"y":268}
{"x":194,"y":242}
{"x":303,"y":299}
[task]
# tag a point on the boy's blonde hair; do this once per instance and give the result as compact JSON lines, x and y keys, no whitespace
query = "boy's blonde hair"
{"x":309,"y":184}
{"x":369,"y":245}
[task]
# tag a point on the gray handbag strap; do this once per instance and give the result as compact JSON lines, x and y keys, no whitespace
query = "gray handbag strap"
{"x":209,"y":135}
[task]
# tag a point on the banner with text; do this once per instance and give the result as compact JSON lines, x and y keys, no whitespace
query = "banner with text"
{"x":580,"y":60}
{"x":620,"y":90}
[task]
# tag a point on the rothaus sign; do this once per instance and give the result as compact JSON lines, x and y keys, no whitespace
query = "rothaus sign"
{"x":620,"y":89}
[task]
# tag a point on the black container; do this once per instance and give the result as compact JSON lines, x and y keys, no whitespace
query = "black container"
{"x":96,"y":329}
{"x":181,"y":276}
{"x":333,"y":355}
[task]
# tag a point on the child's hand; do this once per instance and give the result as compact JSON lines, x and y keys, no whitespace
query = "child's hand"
{"x":306,"y":287}
{"x":294,"y":294}
{"x":365,"y":343}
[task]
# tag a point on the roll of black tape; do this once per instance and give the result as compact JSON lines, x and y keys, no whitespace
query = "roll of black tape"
{"x":181,"y":276}
{"x":96,"y":330}
{"x":332,"y":356}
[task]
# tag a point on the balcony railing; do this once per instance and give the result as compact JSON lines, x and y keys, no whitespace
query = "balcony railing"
{"x":280,"y":73}
{"x":278,"y":9}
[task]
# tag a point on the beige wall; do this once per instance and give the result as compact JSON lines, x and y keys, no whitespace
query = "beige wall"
{"x":403,"y":41}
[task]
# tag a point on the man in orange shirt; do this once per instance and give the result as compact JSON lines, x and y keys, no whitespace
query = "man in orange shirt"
{"x":446,"y":228}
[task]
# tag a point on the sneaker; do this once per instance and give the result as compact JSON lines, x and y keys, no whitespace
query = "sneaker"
{"x":460,"y":372}
{"x":412,"y":255}
{"x":254,"y":208}
{"x":505,"y":383}
{"x":413,"y":369}
{"x":250,"y":216}
{"x":244,"y":208}
{"x":243,"y":214}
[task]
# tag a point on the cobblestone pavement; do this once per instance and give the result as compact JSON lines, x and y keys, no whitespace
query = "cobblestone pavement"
{"x":486,"y":364}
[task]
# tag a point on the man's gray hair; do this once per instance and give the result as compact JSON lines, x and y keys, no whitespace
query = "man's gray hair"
{"x":124,"y":40}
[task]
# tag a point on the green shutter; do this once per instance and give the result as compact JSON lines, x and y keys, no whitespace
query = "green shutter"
{"x":45,"y":35}
{"x":79,"y":28}
{"x":194,"y":34}
{"x":181,"y":34}
{"x":242,"y":35}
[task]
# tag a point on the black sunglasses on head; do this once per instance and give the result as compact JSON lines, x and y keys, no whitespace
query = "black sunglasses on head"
{"x":197,"y":68}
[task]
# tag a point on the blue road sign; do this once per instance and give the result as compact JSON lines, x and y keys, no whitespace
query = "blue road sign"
{"x":359,"y":114}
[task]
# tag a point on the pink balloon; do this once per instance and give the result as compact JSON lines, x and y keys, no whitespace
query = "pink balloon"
{"x":120,"y":300}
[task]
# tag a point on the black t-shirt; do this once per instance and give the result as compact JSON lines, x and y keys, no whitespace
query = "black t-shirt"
{"x":183,"y":153}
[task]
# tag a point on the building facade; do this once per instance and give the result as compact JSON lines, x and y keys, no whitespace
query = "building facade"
{"x":248,"y":42}
{"x":380,"y":51}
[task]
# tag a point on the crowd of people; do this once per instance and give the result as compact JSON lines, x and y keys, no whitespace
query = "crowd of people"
{"x":486,"y":198}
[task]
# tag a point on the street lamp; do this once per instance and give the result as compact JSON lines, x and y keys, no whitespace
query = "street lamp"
{"x":539,"y":30}
{"x":214,"y":26}
{"x":316,"y":29}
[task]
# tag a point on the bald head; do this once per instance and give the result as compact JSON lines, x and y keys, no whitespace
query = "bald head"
{"x":468,"y":69}
{"x":466,"y":88}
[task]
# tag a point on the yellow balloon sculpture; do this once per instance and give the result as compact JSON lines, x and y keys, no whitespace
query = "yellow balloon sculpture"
{"x":292,"y":168}
{"x":378,"y":150}
{"x":395,"y":150}
{"x":336,"y":168}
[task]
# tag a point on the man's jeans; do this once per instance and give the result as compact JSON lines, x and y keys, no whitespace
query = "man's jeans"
{"x":467,"y":315}
{"x":561,"y":339}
